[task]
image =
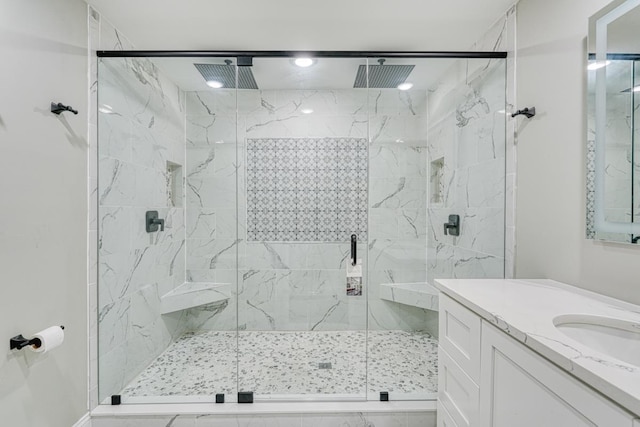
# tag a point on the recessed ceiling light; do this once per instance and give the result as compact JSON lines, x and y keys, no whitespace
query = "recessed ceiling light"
{"x":304,"y":62}
{"x":405,"y":86}
{"x":598,"y":65}
{"x":215,"y":84}
{"x":306,"y":111}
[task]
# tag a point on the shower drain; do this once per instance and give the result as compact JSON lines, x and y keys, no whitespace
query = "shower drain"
{"x":324,"y":365}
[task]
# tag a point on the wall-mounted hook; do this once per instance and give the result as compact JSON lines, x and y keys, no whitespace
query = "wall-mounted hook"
{"x":527,"y":112}
{"x":57,"y":108}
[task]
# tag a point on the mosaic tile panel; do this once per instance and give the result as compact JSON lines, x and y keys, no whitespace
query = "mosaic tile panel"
{"x":591,"y":186}
{"x":306,"y":189}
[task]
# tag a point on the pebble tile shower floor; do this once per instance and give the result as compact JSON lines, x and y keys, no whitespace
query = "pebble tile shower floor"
{"x":204,"y":363}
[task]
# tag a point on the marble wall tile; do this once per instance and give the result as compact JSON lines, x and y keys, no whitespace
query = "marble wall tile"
{"x":421,"y":419}
{"x":116,"y":183}
{"x":470,"y":145}
{"x":148,"y":421}
{"x":270,"y":114}
{"x":115,"y":230}
{"x":203,"y":254}
{"x":318,"y":256}
{"x":141,"y":129}
{"x":209,"y":131}
{"x":115,"y":135}
{"x":291,"y":420}
{"x":391,"y":102}
{"x":411,"y":419}
{"x":396,"y":254}
{"x":216,"y":192}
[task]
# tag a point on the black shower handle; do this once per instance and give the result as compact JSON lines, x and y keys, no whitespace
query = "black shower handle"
{"x":354,"y":246}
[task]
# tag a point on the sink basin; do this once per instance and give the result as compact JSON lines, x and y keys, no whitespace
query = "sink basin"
{"x":614,"y":337}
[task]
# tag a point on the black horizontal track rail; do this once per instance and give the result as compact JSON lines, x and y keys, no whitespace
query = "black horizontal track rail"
{"x":619,"y":56}
{"x":295,"y":53}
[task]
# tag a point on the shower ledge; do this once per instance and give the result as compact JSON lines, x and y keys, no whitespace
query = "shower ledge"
{"x":194,"y":294}
{"x":420,"y":294}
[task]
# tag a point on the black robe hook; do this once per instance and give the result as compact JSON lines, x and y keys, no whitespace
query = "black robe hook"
{"x":57,"y":108}
{"x":527,"y":112}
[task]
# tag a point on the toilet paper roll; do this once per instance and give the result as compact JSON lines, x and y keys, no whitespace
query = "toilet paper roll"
{"x":50,"y":338}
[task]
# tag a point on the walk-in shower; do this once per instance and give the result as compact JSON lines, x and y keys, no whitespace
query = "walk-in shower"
{"x":231,"y":188}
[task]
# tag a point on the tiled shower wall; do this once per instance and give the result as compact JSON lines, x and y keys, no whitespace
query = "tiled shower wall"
{"x":398,"y":205}
{"x":301,"y":285}
{"x":141,"y":151}
{"x":466,"y":155}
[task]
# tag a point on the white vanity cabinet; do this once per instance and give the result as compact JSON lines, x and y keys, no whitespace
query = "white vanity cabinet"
{"x":502,"y":383}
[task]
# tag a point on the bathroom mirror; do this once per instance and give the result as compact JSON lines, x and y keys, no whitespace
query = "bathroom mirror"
{"x":613,"y":146}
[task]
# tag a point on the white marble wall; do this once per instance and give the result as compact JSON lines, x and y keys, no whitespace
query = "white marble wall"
{"x":301,"y":286}
{"x":467,"y":134}
{"x":398,"y":204}
{"x":501,"y":37}
{"x":140,"y":128}
{"x":356,"y":419}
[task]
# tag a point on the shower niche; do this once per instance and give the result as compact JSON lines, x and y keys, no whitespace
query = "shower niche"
{"x":262,"y":173}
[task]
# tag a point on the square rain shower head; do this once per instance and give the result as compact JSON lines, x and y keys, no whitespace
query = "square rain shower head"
{"x":226,"y":74}
{"x":382,"y":76}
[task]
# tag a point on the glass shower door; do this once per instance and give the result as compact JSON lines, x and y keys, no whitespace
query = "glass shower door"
{"x":303,"y":194}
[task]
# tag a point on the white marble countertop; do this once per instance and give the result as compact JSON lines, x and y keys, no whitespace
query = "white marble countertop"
{"x":525,"y":310}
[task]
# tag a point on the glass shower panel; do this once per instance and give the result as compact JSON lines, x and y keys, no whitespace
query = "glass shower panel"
{"x":437,"y":149}
{"x":166,"y":274}
{"x":635,"y":157}
{"x":466,"y":158}
{"x":402,"y":354}
{"x":303,"y":194}
{"x":227,"y":201}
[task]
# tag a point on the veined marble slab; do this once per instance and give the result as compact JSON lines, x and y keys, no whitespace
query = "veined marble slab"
{"x":194,"y":294}
{"x":420,"y":294}
{"x":525,"y":309}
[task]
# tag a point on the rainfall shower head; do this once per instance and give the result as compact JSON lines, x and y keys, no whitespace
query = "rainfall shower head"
{"x":382,"y":76}
{"x":226,"y":74}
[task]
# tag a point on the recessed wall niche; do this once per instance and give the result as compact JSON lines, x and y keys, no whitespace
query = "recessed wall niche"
{"x":436,"y":183}
{"x":174,"y":184}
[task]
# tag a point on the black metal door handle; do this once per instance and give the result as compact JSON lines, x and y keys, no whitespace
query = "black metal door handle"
{"x":354,"y":248}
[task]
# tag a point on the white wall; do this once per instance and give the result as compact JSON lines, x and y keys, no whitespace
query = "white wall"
{"x":43,"y":263}
{"x":551,"y":75}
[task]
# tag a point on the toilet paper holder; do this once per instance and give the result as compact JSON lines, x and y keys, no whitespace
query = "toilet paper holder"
{"x":19,"y":342}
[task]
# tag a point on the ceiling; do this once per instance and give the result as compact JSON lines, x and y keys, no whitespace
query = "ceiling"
{"x":359,"y":25}
{"x":281,"y":73}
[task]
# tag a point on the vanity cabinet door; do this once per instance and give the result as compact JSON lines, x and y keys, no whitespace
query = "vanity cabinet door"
{"x":521,"y":388}
{"x":457,"y":393}
{"x":459,"y":330}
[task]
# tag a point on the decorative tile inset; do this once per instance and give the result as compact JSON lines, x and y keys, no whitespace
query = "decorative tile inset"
{"x":306,"y":189}
{"x":591,"y":186}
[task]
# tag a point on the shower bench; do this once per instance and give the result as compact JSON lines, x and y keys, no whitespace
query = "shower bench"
{"x":194,"y":294}
{"x":418,"y":294}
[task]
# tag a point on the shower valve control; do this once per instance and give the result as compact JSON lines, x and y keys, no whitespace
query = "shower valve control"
{"x":453,"y":226}
{"x":153,"y":222}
